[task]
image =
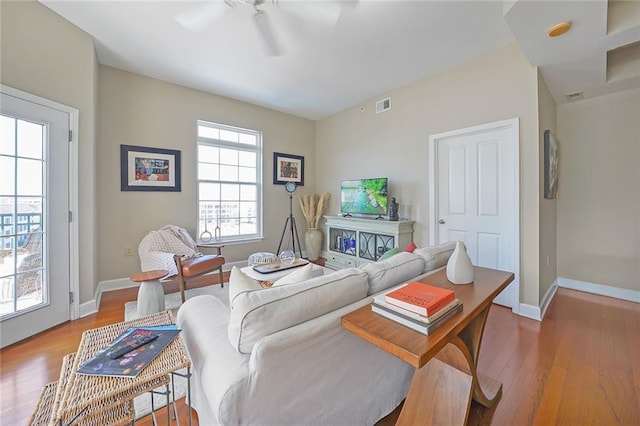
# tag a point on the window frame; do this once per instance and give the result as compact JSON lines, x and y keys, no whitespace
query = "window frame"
{"x":236,"y":146}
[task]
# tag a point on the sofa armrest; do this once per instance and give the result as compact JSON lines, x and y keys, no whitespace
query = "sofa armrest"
{"x":217,"y":366}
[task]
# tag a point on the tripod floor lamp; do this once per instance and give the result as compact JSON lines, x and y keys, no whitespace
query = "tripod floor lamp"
{"x":290,"y":224}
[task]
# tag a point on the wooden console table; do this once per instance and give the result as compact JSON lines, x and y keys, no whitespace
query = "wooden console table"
{"x":445,"y":377}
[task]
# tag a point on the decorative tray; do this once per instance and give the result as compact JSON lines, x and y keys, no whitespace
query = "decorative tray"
{"x":277,"y":266}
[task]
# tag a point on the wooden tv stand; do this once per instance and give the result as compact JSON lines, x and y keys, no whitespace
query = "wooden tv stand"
{"x":445,"y":377}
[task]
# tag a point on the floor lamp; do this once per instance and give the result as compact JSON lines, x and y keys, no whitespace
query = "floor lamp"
{"x":290,"y":223}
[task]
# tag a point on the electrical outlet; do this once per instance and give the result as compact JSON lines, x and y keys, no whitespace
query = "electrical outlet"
{"x":128,"y":251}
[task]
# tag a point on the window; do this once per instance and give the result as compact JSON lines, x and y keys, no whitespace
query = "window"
{"x":229,"y":183}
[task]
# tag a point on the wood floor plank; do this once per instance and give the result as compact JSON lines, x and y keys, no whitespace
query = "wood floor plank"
{"x":554,"y":372}
{"x":547,"y":411}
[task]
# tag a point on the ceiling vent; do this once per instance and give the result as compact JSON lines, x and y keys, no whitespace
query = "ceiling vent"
{"x":383,"y":105}
{"x":574,"y":96}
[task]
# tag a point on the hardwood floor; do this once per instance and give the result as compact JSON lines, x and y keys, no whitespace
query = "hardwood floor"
{"x":581,"y":365}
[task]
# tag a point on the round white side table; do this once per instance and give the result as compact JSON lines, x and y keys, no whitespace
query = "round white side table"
{"x":151,"y":292}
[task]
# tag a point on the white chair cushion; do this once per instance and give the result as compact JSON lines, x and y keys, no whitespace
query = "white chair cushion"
{"x":240,"y":282}
{"x":394,"y":270}
{"x":435,"y":256}
{"x":257,"y":314}
{"x":299,"y":274}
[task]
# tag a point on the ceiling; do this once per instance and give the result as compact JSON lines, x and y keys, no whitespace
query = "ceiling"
{"x":327,"y":56}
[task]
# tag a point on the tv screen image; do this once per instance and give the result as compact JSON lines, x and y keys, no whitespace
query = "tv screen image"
{"x":364,"y":196}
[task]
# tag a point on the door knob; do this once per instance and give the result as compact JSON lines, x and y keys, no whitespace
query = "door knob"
{"x":441,"y":222}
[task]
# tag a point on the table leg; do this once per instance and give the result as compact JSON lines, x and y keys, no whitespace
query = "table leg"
{"x":442,"y":389}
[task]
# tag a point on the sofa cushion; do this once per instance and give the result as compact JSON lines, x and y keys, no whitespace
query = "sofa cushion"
{"x":240,"y":282}
{"x":435,"y":256}
{"x":299,"y":274}
{"x":394,"y":270}
{"x":257,"y":314}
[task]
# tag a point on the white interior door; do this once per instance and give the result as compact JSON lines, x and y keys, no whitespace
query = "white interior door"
{"x":475,"y":196}
{"x":34,"y":204}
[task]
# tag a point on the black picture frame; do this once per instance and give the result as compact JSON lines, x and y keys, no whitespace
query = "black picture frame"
{"x":288,"y":168}
{"x":144,"y":168}
{"x":551,"y":158}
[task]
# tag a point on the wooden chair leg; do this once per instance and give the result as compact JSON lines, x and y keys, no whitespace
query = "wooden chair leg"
{"x":221,"y":277}
{"x":182,"y":285}
{"x":180,"y":278}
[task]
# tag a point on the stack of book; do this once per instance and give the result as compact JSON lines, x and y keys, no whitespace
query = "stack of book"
{"x":417,"y":305}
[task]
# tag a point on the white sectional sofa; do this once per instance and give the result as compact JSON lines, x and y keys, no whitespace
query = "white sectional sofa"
{"x":279,"y":356}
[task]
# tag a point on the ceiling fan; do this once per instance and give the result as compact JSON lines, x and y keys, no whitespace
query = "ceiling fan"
{"x":325,"y":12}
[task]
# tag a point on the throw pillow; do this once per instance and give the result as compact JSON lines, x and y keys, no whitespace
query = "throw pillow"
{"x":300,"y":274}
{"x":387,"y":254}
{"x":240,"y":282}
{"x":393,"y":271}
{"x":411,"y":247}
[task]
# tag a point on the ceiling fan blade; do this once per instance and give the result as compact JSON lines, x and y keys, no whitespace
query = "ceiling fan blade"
{"x":265,"y":29}
{"x":199,"y":18}
{"x":319,"y":12}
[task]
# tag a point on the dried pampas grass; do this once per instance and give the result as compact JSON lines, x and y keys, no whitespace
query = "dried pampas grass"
{"x":313,"y":206}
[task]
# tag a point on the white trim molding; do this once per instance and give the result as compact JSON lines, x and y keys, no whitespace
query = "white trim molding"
{"x":91,"y":306}
{"x":600,"y":289}
{"x":538,"y":312}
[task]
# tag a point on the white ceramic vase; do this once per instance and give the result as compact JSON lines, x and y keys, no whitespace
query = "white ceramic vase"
{"x":313,"y":243}
{"x":459,"y":267}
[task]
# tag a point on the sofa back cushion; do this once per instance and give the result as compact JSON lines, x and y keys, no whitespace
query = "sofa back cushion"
{"x":257,"y":314}
{"x":299,"y":274}
{"x":240,"y":282}
{"x":435,"y":256}
{"x":394,"y":270}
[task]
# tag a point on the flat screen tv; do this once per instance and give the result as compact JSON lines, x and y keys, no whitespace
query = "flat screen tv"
{"x":364,"y":196}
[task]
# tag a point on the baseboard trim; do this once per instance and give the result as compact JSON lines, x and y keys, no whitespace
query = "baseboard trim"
{"x":529,"y":311}
{"x":600,"y":289}
{"x":548,"y":297}
{"x":91,"y":306}
{"x":538,"y":312}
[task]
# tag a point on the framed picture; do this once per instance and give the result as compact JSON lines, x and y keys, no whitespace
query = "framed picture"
{"x":288,"y":168}
{"x":551,"y":148}
{"x":149,"y":169}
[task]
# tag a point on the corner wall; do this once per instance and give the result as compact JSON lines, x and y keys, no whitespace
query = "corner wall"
{"x":358,"y":143}
{"x":548,"y":207}
{"x":45,"y":55}
{"x":599,"y":190}
{"x":138,"y":110}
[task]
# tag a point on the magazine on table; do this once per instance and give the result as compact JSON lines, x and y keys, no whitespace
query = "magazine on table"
{"x":129,"y":353}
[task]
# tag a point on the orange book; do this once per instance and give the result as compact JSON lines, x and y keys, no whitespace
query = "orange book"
{"x":421,"y":298}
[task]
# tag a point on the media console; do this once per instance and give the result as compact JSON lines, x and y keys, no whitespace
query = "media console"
{"x":353,"y":241}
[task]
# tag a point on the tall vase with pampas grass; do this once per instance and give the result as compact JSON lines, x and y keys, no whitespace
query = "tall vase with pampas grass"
{"x":313,"y":207}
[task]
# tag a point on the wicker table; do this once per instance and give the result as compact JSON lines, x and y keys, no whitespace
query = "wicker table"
{"x":86,"y":397}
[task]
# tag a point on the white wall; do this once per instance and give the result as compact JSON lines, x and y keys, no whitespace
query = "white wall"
{"x":137,"y":110}
{"x":45,"y":55}
{"x":599,"y":190}
{"x":548,"y":207}
{"x":358,"y":143}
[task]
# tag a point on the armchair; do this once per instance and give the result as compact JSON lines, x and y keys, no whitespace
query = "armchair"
{"x":171,"y":248}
